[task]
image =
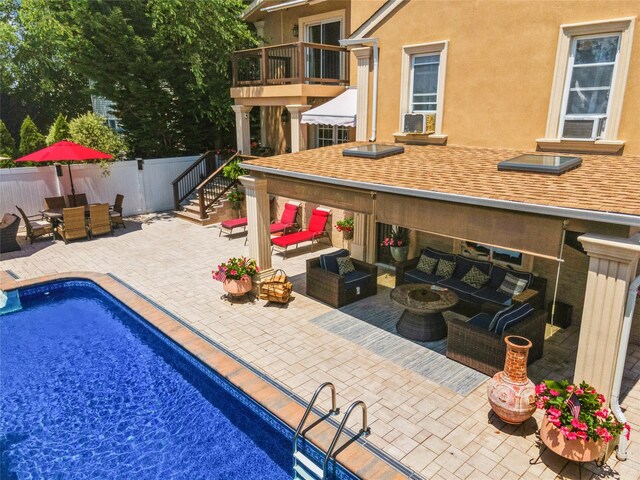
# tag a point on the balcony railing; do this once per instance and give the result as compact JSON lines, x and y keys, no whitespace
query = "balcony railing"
{"x":291,"y":63}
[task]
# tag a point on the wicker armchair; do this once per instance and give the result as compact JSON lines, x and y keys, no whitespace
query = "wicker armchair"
{"x":9,"y":233}
{"x":485,"y":351}
{"x":73,"y":224}
{"x":35,"y":228}
{"x":99,"y":220}
{"x":329,"y":287}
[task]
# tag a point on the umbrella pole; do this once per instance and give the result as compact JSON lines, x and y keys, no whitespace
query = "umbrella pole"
{"x":73,"y":190}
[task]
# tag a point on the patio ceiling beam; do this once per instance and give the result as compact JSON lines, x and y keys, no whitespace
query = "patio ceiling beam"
{"x":551,"y":210}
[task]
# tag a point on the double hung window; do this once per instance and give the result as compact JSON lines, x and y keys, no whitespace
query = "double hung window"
{"x":424,"y":83}
{"x":331,"y":135}
{"x":588,"y":92}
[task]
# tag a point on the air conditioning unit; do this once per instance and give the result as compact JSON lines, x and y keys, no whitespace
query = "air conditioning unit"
{"x":414,"y":122}
{"x":584,"y":128}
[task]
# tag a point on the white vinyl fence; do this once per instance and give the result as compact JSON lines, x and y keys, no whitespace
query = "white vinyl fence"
{"x":145,"y":191}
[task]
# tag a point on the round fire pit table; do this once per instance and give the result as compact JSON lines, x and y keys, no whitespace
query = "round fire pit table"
{"x":422,"y":318}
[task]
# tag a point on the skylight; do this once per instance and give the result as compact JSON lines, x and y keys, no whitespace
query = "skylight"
{"x":554,"y":164}
{"x":372,"y":150}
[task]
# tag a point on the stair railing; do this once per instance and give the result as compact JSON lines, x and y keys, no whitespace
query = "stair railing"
{"x":212,"y":188}
{"x":185,"y":184}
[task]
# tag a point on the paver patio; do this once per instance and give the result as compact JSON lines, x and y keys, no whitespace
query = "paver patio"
{"x":432,"y":429}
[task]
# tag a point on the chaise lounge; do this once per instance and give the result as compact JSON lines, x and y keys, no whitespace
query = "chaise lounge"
{"x":313,"y":233}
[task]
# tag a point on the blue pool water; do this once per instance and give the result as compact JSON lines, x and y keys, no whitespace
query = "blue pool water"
{"x":89,"y":390}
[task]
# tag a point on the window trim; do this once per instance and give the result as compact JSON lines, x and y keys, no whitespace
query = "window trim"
{"x":567,"y":86}
{"x":335,"y":15}
{"x":406,"y":80}
{"x":622,"y":26}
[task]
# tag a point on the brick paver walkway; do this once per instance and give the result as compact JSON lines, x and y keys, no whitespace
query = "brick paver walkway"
{"x":433,"y":430}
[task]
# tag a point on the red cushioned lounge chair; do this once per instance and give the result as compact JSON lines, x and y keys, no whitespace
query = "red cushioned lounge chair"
{"x":287,"y":219}
{"x":228,"y":226}
{"x":313,"y":233}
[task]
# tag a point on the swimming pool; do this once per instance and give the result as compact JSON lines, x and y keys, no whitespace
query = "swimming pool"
{"x":88,"y":389}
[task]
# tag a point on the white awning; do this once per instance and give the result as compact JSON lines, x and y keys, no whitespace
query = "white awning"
{"x":339,"y":111}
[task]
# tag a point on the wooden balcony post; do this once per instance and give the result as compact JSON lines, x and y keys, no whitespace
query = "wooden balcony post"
{"x":301,"y":63}
{"x":234,"y":70}
{"x":265,"y":73}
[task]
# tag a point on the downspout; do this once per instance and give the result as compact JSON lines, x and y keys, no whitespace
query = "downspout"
{"x":621,"y":454}
{"x":374,"y":109}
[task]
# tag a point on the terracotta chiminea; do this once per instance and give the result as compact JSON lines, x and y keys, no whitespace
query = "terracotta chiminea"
{"x":511,"y":394}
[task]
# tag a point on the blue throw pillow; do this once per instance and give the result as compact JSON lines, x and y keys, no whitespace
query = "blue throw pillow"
{"x":498,"y":316}
{"x":513,"y":317}
{"x":329,"y":261}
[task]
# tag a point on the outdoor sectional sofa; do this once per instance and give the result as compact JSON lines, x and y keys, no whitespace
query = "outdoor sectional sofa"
{"x":487,"y":295}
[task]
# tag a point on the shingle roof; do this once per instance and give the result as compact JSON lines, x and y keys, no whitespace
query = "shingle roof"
{"x":602,"y":183}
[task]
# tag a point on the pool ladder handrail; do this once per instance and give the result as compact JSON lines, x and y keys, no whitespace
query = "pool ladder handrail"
{"x":333,"y":411}
{"x":366,"y":430}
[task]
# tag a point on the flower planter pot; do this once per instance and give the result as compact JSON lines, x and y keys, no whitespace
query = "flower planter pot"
{"x":511,"y":394}
{"x":347,"y":234}
{"x":237,"y":287}
{"x":574,"y":450}
{"x":399,"y":254}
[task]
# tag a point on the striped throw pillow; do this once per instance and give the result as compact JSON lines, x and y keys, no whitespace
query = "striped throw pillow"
{"x":513,"y":317}
{"x":445,"y":268}
{"x":512,"y":285}
{"x":345,"y":265}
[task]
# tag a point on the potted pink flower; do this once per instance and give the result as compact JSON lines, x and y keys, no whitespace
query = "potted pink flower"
{"x":236,"y":275}
{"x":576,"y":424}
{"x":398,"y":243}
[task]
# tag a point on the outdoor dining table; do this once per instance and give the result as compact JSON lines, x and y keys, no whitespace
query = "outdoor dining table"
{"x":57,"y":213}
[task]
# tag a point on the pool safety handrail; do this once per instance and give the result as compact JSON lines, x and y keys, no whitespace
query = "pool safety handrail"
{"x":334,"y":410}
{"x":366,"y":430}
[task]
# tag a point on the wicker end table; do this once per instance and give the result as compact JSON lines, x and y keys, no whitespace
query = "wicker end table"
{"x":422,"y":319}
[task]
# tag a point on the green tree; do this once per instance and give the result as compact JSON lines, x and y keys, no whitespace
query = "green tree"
{"x":30,"y":137}
{"x":59,"y":130}
{"x":37,"y":75}
{"x":7,"y":146}
{"x":90,"y":130}
{"x":165,"y":65}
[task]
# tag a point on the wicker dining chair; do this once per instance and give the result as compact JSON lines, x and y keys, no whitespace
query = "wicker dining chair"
{"x":51,"y":203}
{"x":73,"y":224}
{"x":99,"y":220}
{"x":36,"y":227}
{"x":77,"y":200}
{"x":116,"y":211}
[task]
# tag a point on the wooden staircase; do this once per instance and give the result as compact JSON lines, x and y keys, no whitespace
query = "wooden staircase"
{"x":217,"y":212}
{"x":199,"y":193}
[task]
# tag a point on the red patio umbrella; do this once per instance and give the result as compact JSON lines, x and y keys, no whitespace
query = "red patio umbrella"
{"x":64,"y":151}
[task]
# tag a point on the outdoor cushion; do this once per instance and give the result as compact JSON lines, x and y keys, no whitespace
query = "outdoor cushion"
{"x":329,"y":262}
{"x":294,"y":238}
{"x":289,"y":214}
{"x":512,"y":317}
{"x":445,"y":268}
{"x":488,"y":294}
{"x":457,"y":285}
{"x":427,"y":264}
{"x":318,"y":220}
{"x":481,"y":320}
{"x":234,"y":223}
{"x":432,"y":252}
{"x":278,"y":227}
{"x":356,"y":279}
{"x":464,"y":264}
{"x":7,"y":219}
{"x":416,"y":276}
{"x":497,"y":276}
{"x":513,"y":285}
{"x":475,"y":277}
{"x":345,"y":265}
{"x":496,"y":318}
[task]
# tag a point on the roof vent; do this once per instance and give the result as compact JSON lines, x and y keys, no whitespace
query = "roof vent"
{"x":372,"y":150}
{"x":555,"y":164}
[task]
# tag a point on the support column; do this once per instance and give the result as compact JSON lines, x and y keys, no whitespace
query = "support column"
{"x":358,"y":245}
{"x":298,"y":130}
{"x":363,"y":56}
{"x":258,"y":218}
{"x":243,"y":133}
{"x":612,"y":265}
{"x":263,"y":126}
